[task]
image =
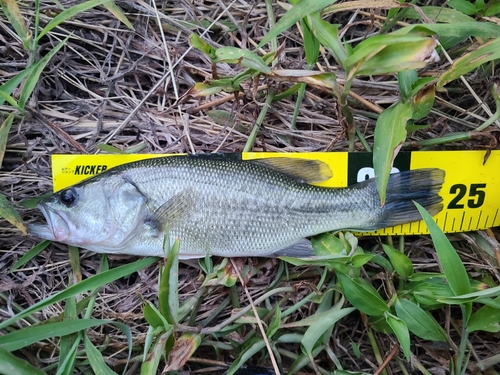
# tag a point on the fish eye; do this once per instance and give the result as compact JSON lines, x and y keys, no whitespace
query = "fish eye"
{"x":68,"y":197}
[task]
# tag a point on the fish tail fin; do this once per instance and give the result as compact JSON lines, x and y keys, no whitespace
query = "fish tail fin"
{"x":405,"y":188}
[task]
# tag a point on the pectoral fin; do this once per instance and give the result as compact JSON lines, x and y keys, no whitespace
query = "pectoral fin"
{"x":302,"y":170}
{"x":172,"y":211}
{"x":301,"y":249}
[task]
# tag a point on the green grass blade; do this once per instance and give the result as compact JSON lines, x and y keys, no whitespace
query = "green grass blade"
{"x":293,"y":15}
{"x":390,"y":133}
{"x":10,"y":364}
{"x":318,"y":328}
{"x":68,"y":341}
{"x":69,"y":13}
{"x":91,"y":283}
{"x":118,"y":13}
{"x":4,"y":134}
{"x":11,"y":10}
{"x":9,"y":213}
{"x":96,"y":359}
{"x":255,"y":346}
{"x":9,"y":86}
{"x":32,"y":79}
{"x":30,"y":335}
{"x":33,"y":252}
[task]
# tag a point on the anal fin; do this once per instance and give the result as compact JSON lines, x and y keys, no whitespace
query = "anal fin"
{"x":301,"y":249}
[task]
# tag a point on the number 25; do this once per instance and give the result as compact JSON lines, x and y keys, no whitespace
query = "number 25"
{"x":475,"y":193}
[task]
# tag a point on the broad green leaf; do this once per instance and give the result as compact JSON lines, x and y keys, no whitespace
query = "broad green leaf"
{"x":10,"y":364}
{"x":439,"y":14}
{"x":487,"y":319}
{"x":69,"y":13}
{"x":29,"y":335}
{"x":202,"y":46}
{"x":11,"y":10}
{"x":34,"y":75}
{"x":4,"y":135}
{"x":397,"y":57}
{"x":327,"y":35}
{"x":91,"y":283}
{"x":318,"y":328}
{"x":383,"y":262}
{"x":452,"y":265}
{"x":428,"y":293}
{"x":401,"y":331}
{"x":463,"y":6}
{"x":294,"y":15}
{"x":389,"y":50}
{"x":485,"y":30}
{"x":418,"y":321}
{"x":492,"y":9}
{"x":327,"y":244}
{"x":311,"y":44}
{"x":243,"y":57}
{"x":154,"y":317}
{"x":96,"y":359}
{"x":9,"y":213}
{"x":470,"y":61}
{"x":390,"y":133}
{"x":402,"y":264}
{"x":359,"y":260}
{"x":362,"y":295}
{"x":420,"y":83}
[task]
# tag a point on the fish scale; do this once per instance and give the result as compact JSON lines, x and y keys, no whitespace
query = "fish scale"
{"x":224,"y":207}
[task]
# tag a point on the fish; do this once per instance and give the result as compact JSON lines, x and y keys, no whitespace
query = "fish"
{"x":226,"y":207}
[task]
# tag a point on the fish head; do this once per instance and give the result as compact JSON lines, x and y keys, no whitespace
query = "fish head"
{"x":100,"y":215}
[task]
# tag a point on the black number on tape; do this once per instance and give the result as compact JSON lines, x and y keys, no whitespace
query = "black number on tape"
{"x":475,"y":193}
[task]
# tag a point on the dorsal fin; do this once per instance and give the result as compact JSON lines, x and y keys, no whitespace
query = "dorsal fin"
{"x":302,"y":170}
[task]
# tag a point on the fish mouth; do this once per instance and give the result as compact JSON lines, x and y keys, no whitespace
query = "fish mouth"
{"x":57,"y":228}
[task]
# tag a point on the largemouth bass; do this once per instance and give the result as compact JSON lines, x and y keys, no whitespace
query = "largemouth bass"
{"x":225,"y":207}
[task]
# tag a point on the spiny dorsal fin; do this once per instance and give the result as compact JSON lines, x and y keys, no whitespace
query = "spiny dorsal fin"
{"x":303,"y":170}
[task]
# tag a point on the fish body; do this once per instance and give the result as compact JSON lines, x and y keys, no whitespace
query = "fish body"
{"x":224,"y":207}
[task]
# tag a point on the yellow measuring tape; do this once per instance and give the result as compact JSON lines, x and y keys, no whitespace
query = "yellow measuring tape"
{"x":471,"y":190}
